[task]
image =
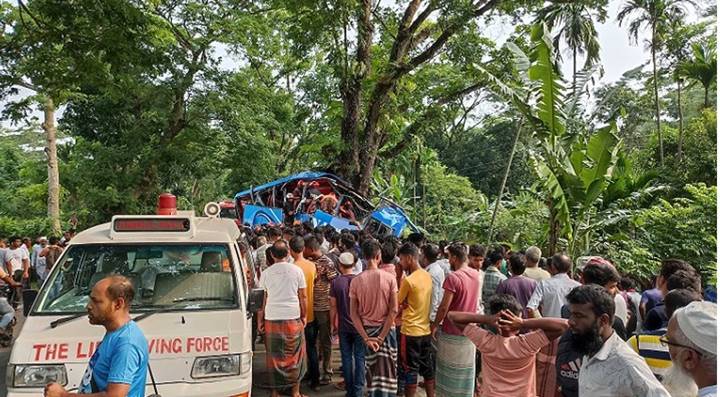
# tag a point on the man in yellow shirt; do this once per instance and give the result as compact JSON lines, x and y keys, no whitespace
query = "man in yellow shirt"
{"x":416,"y":352}
{"x":297,"y":246}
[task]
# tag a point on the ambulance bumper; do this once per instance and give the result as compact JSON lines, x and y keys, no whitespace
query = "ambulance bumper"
{"x":236,"y":387}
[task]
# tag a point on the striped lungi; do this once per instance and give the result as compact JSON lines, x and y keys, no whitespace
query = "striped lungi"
{"x":455,"y":372}
{"x":285,"y":344}
{"x":381,"y":366}
{"x":546,"y":381}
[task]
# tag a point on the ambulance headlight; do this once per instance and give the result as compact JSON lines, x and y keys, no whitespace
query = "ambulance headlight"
{"x":36,"y":375}
{"x":214,"y":366}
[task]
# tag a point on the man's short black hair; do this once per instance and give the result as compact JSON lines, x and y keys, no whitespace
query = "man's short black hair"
{"x":431,"y":252}
{"x":12,"y":239}
{"x":626,"y":283}
{"x":289,"y":232}
{"x":279,"y":249}
{"x":688,"y":279}
{"x":600,"y":274}
{"x":500,"y":302}
{"x":53,"y":240}
{"x":601,"y":300}
{"x":477,"y":250}
{"x":347,"y":241}
{"x":274,"y":232}
{"x":369,"y":249}
{"x":669,"y":266}
{"x":562,"y":263}
{"x":416,"y":238}
{"x":517,"y":264}
{"x":297,"y":244}
{"x":678,"y":298}
{"x":409,"y":249}
{"x":496,"y":255}
{"x":312,"y":243}
{"x":458,"y":250}
{"x":388,"y":252}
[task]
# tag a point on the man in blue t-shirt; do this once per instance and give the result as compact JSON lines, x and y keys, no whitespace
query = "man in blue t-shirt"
{"x":119,"y":366}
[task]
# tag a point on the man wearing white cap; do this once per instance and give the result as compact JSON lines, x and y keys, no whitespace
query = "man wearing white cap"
{"x":692,"y":339}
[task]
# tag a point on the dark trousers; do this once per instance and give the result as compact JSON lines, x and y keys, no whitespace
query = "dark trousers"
{"x":311,"y":336}
{"x":352,"y":352}
{"x":324,"y":338}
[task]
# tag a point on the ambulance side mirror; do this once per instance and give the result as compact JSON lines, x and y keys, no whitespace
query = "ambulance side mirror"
{"x":28,"y":297}
{"x":255,"y":300}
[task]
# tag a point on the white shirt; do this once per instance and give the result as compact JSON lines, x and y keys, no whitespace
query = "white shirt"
{"x":281,"y":282}
{"x":617,"y":371}
{"x":437,"y":273}
{"x":551,"y":294}
{"x":16,"y":257}
{"x":708,"y":391}
{"x":621,"y":311}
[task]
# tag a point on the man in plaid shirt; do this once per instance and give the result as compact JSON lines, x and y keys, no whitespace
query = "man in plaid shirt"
{"x":493,"y":276}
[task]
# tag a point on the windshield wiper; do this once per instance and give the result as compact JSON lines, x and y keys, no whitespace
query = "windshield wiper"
{"x":174,"y":305}
{"x":203,"y":298}
{"x":64,"y":320}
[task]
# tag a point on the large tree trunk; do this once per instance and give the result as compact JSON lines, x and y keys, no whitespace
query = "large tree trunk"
{"x":707,"y":97}
{"x":680,"y":119}
{"x":657,"y":98}
{"x":52,"y":166}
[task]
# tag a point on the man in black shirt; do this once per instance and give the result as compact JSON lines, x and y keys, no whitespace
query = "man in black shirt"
{"x":568,"y":359}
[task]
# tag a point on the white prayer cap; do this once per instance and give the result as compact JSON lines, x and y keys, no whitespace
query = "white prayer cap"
{"x":347,"y":258}
{"x":698,"y":322}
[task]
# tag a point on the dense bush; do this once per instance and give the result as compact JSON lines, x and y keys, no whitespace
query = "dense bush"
{"x":683,"y":228}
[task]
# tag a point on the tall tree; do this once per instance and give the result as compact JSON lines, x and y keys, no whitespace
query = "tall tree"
{"x":703,"y":66}
{"x":574,"y":24}
{"x":393,"y":63}
{"x":677,"y":42}
{"x":47,"y":52}
{"x":652,"y":14}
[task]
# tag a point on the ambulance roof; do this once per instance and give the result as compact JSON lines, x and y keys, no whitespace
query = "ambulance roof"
{"x":202,"y":230}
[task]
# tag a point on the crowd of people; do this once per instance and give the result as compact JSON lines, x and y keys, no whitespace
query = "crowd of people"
{"x":464,"y":320}
{"x":23,"y":263}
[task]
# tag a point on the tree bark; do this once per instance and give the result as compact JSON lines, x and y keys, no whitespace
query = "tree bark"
{"x":680,"y":119}
{"x":52,"y":166}
{"x":351,"y":91}
{"x":707,"y":97}
{"x":657,"y":98}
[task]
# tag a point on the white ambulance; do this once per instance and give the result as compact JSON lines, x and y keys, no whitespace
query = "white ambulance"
{"x":192,"y":302}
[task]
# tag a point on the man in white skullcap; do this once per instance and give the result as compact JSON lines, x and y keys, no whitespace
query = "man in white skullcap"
{"x":692,"y":339}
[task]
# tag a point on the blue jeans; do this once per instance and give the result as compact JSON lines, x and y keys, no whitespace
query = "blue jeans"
{"x":311,"y":339}
{"x":352,"y":352}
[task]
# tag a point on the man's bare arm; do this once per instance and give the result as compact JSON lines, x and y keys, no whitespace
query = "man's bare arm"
{"x":302,"y":297}
{"x":442,"y":310}
{"x":113,"y":390}
{"x":462,"y":319}
{"x":357,"y":321}
{"x":390,"y":320}
{"x":553,"y":327}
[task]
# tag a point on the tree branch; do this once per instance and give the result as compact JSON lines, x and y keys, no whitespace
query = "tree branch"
{"x":416,"y":125}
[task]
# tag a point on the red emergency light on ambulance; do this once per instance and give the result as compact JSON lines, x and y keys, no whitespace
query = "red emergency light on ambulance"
{"x":192,"y":302}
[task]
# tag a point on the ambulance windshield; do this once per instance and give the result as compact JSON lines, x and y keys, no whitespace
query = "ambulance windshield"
{"x":181,"y":277}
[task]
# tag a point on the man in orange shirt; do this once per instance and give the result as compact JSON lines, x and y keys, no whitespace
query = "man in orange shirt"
{"x":508,"y":358}
{"x":297,"y":246}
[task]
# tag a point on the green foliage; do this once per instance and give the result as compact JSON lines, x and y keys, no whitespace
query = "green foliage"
{"x":683,"y":228}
